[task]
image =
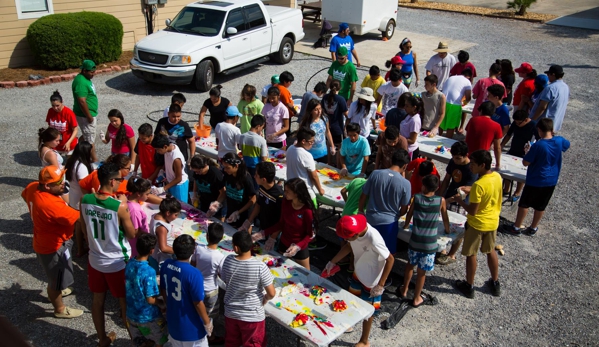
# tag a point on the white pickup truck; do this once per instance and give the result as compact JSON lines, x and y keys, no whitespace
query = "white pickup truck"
{"x":209,"y":37}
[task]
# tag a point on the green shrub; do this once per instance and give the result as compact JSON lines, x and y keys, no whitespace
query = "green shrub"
{"x":62,"y":41}
{"x":520,"y":6}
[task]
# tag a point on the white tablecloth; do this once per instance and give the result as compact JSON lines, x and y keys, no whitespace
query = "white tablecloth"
{"x":207,"y":146}
{"x":511,"y":166}
{"x":291,"y":283}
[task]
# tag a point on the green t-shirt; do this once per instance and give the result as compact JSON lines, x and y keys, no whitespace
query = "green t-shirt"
{"x":248,"y":109}
{"x":354,"y":191}
{"x":346,"y":74}
{"x":84,"y":88}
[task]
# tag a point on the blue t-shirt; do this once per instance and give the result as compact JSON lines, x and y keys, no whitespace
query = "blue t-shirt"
{"x":384,"y":208}
{"x":140,"y":283}
{"x":502,"y":115}
{"x":354,"y":153}
{"x":319,"y":148}
{"x":557,"y":95}
{"x":184,"y":285}
{"x":346,"y":42}
{"x":545,"y":158}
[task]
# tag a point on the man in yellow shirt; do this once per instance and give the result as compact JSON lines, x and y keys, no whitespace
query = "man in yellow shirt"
{"x":373,"y":81}
{"x":483,"y":219}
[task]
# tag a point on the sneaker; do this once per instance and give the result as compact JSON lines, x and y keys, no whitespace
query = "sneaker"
{"x":495,"y":287}
{"x":465,"y":288}
{"x":531,"y":231}
{"x":67,"y":291}
{"x":316,"y":244}
{"x":69,"y":313}
{"x":444,"y":260}
{"x":511,"y":230}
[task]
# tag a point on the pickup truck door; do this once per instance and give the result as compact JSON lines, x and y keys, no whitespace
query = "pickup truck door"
{"x":260,"y":31}
{"x":236,"y":48}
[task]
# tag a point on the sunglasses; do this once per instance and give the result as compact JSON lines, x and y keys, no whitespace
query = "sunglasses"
{"x":341,"y":57}
{"x":120,"y":179}
{"x":59,"y":182}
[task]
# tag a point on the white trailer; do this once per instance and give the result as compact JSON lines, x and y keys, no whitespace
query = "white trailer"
{"x":363,"y":16}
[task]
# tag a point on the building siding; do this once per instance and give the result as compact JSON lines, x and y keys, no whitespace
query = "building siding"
{"x":14,"y":49}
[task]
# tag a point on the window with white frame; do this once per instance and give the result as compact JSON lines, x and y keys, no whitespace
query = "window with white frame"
{"x":27,"y":9}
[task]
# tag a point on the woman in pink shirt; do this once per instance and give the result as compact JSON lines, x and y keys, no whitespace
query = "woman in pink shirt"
{"x":479,"y":92}
{"x":121,"y":135}
{"x":139,"y":189}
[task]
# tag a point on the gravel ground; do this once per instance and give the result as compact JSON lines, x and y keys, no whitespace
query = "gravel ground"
{"x":549,"y":295}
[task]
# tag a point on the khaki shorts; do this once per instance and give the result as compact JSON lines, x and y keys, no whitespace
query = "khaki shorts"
{"x":475,"y":239}
{"x":88,"y":130}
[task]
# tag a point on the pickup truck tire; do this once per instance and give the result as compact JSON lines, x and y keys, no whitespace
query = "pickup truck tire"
{"x":204,"y":76}
{"x":389,"y":29}
{"x":285,"y":53}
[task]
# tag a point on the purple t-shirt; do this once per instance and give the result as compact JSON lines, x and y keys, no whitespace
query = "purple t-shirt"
{"x":139,"y":220}
{"x":274,"y":120}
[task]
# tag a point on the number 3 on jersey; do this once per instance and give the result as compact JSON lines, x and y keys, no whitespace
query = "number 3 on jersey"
{"x":176,"y":294}
{"x":96,"y":222}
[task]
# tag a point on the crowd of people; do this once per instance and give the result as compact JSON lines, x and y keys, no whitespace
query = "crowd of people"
{"x":168,"y":287}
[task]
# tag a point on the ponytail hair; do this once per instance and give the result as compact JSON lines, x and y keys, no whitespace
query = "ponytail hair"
{"x":121,"y":135}
{"x":138,"y":185}
{"x":416,"y":100}
{"x":169,"y":204}
{"x":56,"y":97}
{"x":46,"y":135}
{"x":298,"y":186}
{"x":215,"y":91}
{"x":200,"y":162}
{"x":335,"y":87}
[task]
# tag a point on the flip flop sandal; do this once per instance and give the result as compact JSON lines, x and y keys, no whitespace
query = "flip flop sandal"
{"x":427,"y":299}
{"x":398,"y":293}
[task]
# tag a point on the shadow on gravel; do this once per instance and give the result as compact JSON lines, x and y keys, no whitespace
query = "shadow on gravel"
{"x":17,"y":242}
{"x":21,"y":308}
{"x":567,"y":32}
{"x":128,"y":83}
{"x":31,"y":266}
{"x":17,"y":226}
{"x":29,"y":158}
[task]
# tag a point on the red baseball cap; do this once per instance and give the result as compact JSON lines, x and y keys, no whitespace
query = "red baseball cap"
{"x":350,"y":226}
{"x":397,"y":60}
{"x":51,"y":174}
{"x":524,"y":68}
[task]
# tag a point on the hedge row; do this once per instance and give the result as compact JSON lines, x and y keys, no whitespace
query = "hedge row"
{"x":62,"y":41}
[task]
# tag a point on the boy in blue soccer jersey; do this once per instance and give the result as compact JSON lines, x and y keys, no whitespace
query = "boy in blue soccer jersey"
{"x":182,"y":286}
{"x":145,"y":322}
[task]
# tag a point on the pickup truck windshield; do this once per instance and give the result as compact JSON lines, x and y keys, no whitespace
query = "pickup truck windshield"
{"x":200,"y":21}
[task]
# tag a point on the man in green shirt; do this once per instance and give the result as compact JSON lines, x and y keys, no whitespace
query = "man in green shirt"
{"x":86,"y":103}
{"x":344,"y":71}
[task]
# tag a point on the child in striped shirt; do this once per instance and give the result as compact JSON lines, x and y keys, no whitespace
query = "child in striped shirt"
{"x":423,"y":243}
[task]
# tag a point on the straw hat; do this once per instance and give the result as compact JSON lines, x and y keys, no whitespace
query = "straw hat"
{"x":442,"y":48}
{"x":366,"y":94}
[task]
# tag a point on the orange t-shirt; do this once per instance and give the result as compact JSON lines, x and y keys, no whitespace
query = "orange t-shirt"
{"x":53,"y":219}
{"x":286,"y":98}
{"x":91,"y":181}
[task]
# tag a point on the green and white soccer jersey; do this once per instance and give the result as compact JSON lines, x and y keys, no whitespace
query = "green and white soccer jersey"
{"x":109,"y":250}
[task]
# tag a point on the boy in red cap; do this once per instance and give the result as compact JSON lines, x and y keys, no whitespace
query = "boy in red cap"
{"x":372,"y":262}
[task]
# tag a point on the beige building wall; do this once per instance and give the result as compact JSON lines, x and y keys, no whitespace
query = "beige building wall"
{"x":14,"y":49}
